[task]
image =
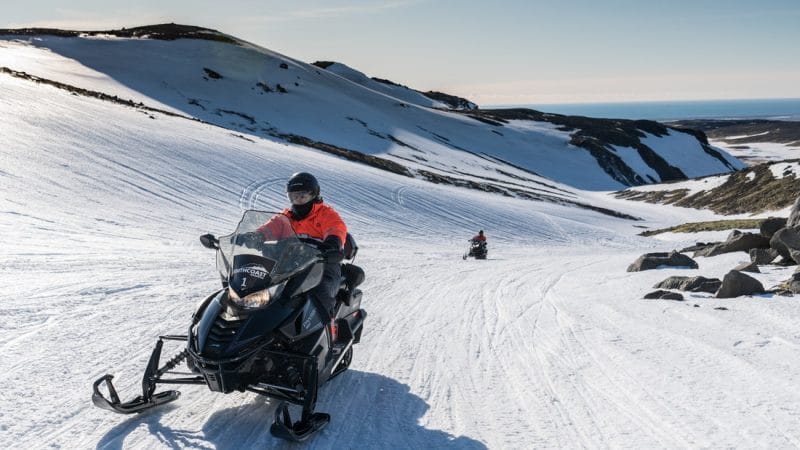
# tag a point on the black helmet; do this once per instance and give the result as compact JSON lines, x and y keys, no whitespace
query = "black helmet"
{"x":303,"y":181}
{"x":480,"y":232}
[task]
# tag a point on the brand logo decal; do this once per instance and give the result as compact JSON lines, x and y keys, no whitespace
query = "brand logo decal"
{"x":253,"y":270}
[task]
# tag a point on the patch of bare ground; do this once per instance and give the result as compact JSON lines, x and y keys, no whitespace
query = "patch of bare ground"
{"x":750,"y":191}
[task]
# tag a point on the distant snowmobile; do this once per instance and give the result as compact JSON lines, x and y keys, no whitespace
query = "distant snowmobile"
{"x":261,"y":332}
{"x":477,"y":249}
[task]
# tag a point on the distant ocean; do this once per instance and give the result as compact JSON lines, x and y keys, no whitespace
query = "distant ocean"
{"x":775,"y":109}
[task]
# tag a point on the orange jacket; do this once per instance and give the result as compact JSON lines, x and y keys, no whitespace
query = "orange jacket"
{"x":323,"y":221}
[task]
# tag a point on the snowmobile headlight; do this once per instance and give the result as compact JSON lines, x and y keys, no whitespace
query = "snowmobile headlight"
{"x":255,"y":300}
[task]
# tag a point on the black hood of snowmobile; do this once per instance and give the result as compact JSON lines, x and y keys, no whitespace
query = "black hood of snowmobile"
{"x":224,"y":331}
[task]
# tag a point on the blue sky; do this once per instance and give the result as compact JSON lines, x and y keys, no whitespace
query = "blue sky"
{"x":500,"y":52}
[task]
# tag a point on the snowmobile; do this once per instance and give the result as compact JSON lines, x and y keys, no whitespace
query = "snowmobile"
{"x":477,"y":249}
{"x":262,"y":332}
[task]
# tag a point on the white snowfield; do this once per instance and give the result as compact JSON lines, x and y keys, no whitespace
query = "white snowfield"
{"x":547,"y":344}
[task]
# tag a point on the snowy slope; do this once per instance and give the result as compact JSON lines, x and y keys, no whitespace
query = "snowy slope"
{"x":259,"y":92}
{"x":545,"y":345}
{"x":392,"y":90}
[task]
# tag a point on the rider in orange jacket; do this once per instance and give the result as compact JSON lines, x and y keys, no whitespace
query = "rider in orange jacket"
{"x":309,"y":217}
{"x":480,"y":237}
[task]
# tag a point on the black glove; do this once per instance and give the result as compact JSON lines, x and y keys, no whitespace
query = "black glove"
{"x":209,"y":241}
{"x":332,"y":250}
{"x":252,"y":239}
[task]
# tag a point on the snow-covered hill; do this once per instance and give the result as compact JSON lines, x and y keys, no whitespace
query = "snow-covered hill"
{"x":547,"y":344}
{"x":259,"y":92}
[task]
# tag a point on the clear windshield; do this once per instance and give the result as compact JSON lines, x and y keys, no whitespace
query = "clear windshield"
{"x":269,"y":236}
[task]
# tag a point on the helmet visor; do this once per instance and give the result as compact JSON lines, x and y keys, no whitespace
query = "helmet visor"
{"x":300,"y":197}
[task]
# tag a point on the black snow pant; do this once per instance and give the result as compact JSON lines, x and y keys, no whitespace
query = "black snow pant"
{"x":326,"y":290}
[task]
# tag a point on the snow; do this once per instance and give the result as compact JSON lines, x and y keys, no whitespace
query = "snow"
{"x":757,"y":152}
{"x":547,"y":344}
{"x":674,"y":148}
{"x":395,"y":91}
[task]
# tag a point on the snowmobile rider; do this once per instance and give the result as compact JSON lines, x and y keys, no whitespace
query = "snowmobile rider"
{"x":479,"y":238}
{"x":309,"y":217}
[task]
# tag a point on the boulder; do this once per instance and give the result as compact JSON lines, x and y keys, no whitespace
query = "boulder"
{"x":665,"y":295}
{"x":735,"y":284}
{"x":792,"y":284}
{"x":770,"y":225}
{"x":697,"y":246}
{"x":747,"y":267}
{"x":785,"y":241}
{"x":736,"y":242}
{"x":692,"y":284}
{"x":763,"y":255}
{"x":794,"y":215}
{"x":655,"y":260}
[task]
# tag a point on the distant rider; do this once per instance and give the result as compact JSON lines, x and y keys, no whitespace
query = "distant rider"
{"x":480,"y":237}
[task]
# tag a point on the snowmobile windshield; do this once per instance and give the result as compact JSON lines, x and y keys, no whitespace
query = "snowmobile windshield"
{"x":264,"y":247}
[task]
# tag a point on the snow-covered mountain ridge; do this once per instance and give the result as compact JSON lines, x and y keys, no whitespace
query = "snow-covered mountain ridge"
{"x":225,"y":81}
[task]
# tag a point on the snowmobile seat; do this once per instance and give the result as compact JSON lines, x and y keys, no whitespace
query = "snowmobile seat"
{"x":350,"y":247}
{"x":352,"y":276}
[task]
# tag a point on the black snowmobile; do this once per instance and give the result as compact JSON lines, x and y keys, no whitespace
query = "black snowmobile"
{"x":262,"y":332}
{"x":477,"y":249}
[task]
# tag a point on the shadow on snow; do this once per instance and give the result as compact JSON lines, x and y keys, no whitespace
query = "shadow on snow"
{"x":368,"y":411}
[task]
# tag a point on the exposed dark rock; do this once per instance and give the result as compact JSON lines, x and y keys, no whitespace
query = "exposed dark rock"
{"x":664,"y":295}
{"x":212,"y":74}
{"x":281,"y":89}
{"x":650,"y":261}
{"x":452,"y":101}
{"x":770,"y":225}
{"x":735,"y":284}
{"x":692,"y":284}
{"x":736,"y":242}
{"x":786,"y":241}
{"x":763,"y":255}
{"x":792,"y":284}
{"x":284,"y":66}
{"x":794,"y":215}
{"x":696,"y":247}
{"x":747,"y":267}
{"x":166,"y":32}
{"x":323,"y":64}
{"x":250,"y":119}
{"x":352,"y":155}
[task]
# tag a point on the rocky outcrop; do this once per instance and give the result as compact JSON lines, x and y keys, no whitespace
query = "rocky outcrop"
{"x":794,"y":215}
{"x":786,"y":242}
{"x":691,"y":284}
{"x":650,"y":261}
{"x":452,"y":101}
{"x":664,"y":295}
{"x":748,"y":267}
{"x":753,"y":190}
{"x":736,"y":242}
{"x":763,"y":255}
{"x":735,"y":284}
{"x":770,"y":225}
